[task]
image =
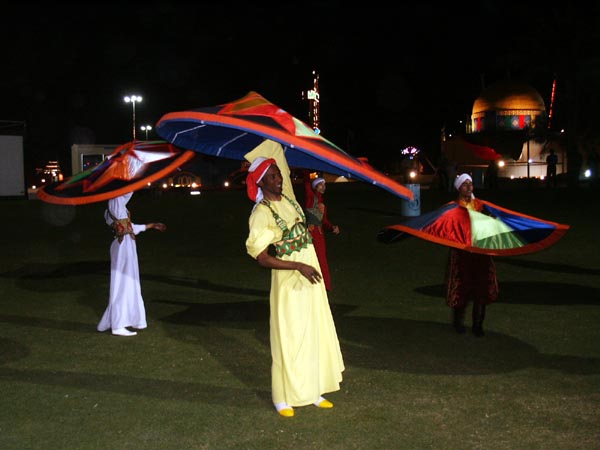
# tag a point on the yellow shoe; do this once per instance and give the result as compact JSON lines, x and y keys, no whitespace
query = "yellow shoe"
{"x":323,"y":403}
{"x":284,"y":409}
{"x":286,"y":412}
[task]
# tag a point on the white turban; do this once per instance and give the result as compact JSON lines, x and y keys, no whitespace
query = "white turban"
{"x":461,"y":179}
{"x":317,"y":181}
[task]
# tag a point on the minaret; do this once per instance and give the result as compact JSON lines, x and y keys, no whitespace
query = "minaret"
{"x":552,"y":96}
{"x":313,"y":102}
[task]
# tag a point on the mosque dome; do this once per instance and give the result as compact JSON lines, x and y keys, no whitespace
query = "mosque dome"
{"x":505,"y":106}
{"x":509,"y":95}
{"x":503,"y":118}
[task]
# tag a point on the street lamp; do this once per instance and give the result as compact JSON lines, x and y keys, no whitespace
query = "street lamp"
{"x":146,"y":128}
{"x":133,"y":99}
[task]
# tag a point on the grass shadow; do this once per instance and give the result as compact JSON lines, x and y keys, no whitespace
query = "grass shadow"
{"x":549,"y":267}
{"x":533,"y":293}
{"x":375,"y":343}
{"x":43,"y":277}
{"x":137,"y":386}
{"x":41,"y":271}
{"x":431,"y":348}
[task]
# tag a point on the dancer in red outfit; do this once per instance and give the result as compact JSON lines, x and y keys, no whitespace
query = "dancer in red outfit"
{"x":470,"y":277}
{"x":476,"y":231}
{"x":318,"y":221}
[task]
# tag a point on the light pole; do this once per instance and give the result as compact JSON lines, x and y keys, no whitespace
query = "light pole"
{"x":146,"y":128}
{"x":133,"y":99}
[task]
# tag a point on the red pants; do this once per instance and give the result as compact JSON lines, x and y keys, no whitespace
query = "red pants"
{"x":319,"y":242}
{"x":470,"y":277}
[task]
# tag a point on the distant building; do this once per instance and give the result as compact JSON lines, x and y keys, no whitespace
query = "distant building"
{"x":87,"y":156}
{"x":501,"y":129}
{"x":50,"y":173}
{"x":505,"y":106}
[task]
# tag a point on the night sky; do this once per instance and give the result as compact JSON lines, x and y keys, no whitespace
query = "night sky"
{"x":389,"y":77}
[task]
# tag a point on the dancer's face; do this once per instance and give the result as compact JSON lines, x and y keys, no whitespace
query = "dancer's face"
{"x":466,"y":190}
{"x":272,"y":183}
{"x":320,"y":188}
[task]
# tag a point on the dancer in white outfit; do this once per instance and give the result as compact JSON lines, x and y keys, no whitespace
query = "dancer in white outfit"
{"x":125,"y":304}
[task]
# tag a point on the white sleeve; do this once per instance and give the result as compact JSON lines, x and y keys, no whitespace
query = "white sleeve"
{"x":138,"y":228}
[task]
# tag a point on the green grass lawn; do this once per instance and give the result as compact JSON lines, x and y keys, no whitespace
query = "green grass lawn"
{"x":199,"y":376}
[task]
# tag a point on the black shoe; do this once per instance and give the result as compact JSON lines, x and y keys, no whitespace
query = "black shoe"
{"x":478,"y":330}
{"x":460,"y":328}
{"x":478,"y":316}
{"x":458,"y":320}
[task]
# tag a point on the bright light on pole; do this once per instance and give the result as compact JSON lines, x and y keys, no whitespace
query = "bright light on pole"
{"x":133,"y":99}
{"x":146,"y":128}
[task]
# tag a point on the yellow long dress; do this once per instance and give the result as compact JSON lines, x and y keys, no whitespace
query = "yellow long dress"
{"x":306,"y":357}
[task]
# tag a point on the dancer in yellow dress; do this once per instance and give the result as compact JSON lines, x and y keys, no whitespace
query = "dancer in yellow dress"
{"x":306,"y":357}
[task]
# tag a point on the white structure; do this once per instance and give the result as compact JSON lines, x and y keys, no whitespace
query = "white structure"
{"x":12,"y":166}
{"x":500,"y":115}
{"x":84,"y":157}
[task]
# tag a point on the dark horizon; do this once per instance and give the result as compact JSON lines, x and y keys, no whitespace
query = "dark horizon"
{"x":389,"y":78}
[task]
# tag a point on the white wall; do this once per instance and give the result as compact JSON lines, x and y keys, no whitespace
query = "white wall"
{"x":12,"y":167}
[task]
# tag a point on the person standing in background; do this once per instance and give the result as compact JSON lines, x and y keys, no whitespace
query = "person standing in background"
{"x":551,"y":163}
{"x":318,"y":221}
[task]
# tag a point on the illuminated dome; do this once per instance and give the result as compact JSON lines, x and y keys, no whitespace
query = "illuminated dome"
{"x":507,"y":105}
{"x":509,"y":95}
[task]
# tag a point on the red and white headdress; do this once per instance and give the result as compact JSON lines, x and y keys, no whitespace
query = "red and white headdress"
{"x":256,"y":172}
